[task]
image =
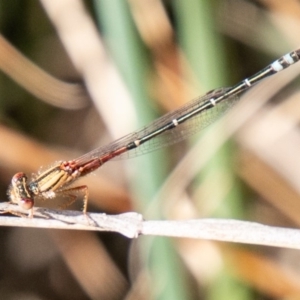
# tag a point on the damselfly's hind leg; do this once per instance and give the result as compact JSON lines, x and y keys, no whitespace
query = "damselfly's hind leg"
{"x":70,"y":193}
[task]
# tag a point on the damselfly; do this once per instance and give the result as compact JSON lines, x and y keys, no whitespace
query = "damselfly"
{"x":166,"y":130}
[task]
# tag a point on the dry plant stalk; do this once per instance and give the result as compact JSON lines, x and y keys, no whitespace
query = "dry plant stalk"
{"x":132,"y":225}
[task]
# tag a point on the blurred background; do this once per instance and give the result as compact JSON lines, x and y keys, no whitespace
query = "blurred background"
{"x":79,"y":74}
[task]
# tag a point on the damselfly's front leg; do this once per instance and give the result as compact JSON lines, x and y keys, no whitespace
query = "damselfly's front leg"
{"x":18,"y":214}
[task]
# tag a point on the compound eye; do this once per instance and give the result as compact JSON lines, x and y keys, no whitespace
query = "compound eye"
{"x":26,"y":203}
{"x":19,"y":193}
{"x":18,"y":177}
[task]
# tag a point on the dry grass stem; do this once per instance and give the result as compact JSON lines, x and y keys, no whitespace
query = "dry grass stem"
{"x":38,"y":82}
{"x":132,"y":225}
{"x":127,"y":224}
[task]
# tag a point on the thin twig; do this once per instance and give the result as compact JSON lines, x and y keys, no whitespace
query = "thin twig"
{"x":132,"y":225}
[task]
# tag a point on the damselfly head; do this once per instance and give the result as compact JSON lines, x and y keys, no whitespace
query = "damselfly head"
{"x":18,"y":192}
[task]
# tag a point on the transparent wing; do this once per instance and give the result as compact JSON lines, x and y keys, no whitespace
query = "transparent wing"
{"x":178,"y":133}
